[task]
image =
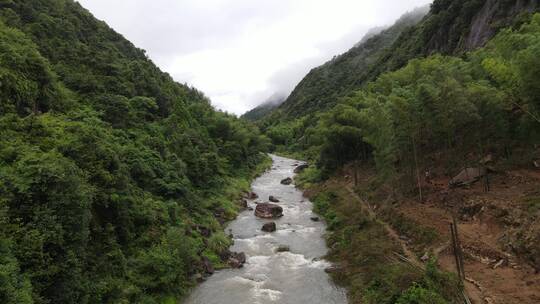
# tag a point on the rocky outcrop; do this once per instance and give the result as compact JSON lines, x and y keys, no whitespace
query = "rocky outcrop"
{"x":467,"y":176}
{"x":301,"y":168}
{"x":267,"y":210}
{"x":287,"y":181}
{"x":269,"y":227}
{"x":492,"y":16}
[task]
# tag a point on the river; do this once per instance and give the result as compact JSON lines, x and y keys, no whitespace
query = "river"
{"x":294,"y":277}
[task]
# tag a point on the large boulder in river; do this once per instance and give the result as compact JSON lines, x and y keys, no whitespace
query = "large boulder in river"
{"x":287,"y":181}
{"x":208,"y":267}
{"x":467,"y":176}
{"x":269,"y":227}
{"x":273,"y":199}
{"x":267,"y":210}
{"x":301,"y":168}
{"x":237,"y":260}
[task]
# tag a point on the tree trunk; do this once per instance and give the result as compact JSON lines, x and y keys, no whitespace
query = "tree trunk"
{"x":356,"y":173}
{"x":419,"y":182}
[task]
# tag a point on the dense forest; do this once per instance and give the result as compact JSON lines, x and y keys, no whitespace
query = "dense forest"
{"x":114,"y":179}
{"x":445,"y":92}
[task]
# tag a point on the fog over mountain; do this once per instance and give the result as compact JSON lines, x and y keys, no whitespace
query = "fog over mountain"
{"x":241,"y":52}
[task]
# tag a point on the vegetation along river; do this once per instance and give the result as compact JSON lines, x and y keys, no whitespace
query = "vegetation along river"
{"x":293,"y":277}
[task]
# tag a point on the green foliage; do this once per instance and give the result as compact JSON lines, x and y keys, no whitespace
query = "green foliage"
{"x":107,"y":166}
{"x":364,"y":246}
{"x":324,"y":85}
{"x":452,"y":27}
{"x":15,"y":288}
{"x":419,"y":295}
{"x":219,"y":242}
{"x":27,"y":83}
{"x":439,"y":105}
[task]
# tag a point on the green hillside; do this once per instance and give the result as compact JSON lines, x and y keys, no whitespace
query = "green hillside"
{"x":321,"y":88}
{"x":264,"y":109}
{"x":458,"y":90}
{"x":109,"y":170}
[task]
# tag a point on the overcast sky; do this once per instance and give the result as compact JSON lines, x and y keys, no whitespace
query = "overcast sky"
{"x":241,"y":52}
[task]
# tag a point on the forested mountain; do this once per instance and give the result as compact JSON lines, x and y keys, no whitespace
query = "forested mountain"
{"x":265,"y":108}
{"x":321,"y":88}
{"x":451,"y":27}
{"x":114,"y":179}
{"x":456,"y":92}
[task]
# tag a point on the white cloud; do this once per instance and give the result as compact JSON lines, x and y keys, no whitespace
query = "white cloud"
{"x":239,"y":52}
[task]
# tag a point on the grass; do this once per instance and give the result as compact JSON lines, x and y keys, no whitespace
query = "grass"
{"x":364,"y":252}
{"x":421,"y":237}
{"x":532,"y":204}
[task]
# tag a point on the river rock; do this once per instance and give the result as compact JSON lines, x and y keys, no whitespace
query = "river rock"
{"x":287,"y":181}
{"x":467,"y":176}
{"x":206,"y":232}
{"x":301,"y":168}
{"x":267,"y":210}
{"x":207,"y":265}
{"x":269,"y":227}
{"x":237,"y":260}
{"x":315,"y":219}
{"x":283,"y":248}
{"x":273,"y":199}
{"x":243,"y":204}
{"x":332,"y":269}
{"x":252,"y":195}
{"x":199,"y":278}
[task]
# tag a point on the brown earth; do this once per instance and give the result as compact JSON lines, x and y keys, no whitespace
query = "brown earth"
{"x":498,"y":231}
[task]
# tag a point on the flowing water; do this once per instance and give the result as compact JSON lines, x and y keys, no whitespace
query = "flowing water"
{"x":294,"y":277}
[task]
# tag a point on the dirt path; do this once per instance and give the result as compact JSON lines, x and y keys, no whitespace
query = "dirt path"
{"x":393,"y":233}
{"x":487,"y":224}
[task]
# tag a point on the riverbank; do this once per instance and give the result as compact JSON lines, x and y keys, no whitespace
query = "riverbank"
{"x":284,"y":266}
{"x":497,"y":231}
{"x":372,"y":262}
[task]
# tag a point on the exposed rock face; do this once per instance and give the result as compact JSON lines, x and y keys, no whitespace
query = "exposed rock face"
{"x":467,"y":176}
{"x":267,"y":210}
{"x":273,"y":199}
{"x":287,"y":181}
{"x":493,"y":13}
{"x":269,"y":227}
{"x":301,"y":168}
